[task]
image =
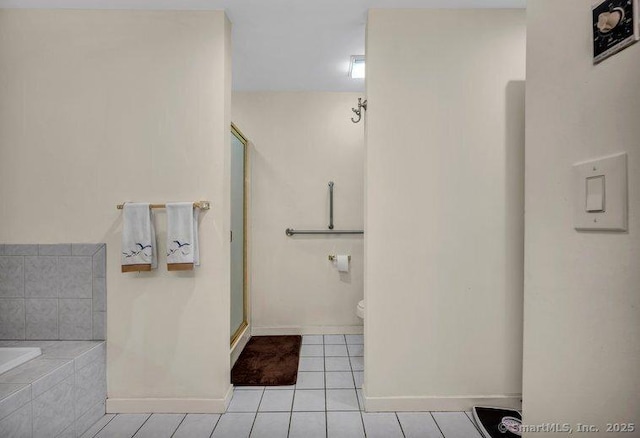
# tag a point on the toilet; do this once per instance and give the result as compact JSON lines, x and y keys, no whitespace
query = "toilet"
{"x":360,"y":310}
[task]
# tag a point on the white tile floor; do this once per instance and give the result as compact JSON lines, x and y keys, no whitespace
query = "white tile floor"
{"x":325,"y":402}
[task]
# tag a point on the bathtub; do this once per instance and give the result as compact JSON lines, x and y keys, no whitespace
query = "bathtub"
{"x":12,"y":357}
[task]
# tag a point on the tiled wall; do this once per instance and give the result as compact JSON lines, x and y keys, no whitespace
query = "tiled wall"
{"x":53,"y":291}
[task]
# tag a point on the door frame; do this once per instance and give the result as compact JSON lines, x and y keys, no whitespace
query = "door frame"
{"x":245,"y":297}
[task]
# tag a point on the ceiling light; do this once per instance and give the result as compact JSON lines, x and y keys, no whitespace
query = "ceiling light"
{"x":356,"y":67}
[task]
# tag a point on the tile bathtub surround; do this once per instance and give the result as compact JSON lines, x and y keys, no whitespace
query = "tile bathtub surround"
{"x":41,"y":318}
{"x":11,"y":277}
{"x":53,"y":291}
{"x":322,"y":404}
{"x":12,"y":318}
{"x":62,"y":392}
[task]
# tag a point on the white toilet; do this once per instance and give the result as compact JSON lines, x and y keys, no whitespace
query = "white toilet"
{"x":360,"y":310}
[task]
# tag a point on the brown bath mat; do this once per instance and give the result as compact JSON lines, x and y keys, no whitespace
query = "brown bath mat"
{"x":268,"y":361}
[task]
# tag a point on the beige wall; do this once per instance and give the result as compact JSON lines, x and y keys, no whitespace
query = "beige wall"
{"x":101,"y":107}
{"x":582,"y":289}
{"x":444,"y":208}
{"x":299,"y":142}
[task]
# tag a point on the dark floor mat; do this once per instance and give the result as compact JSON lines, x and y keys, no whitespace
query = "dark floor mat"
{"x":268,"y":361}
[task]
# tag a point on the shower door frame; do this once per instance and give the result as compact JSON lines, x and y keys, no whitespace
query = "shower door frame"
{"x":235,"y":131}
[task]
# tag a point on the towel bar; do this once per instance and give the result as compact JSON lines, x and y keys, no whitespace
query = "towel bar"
{"x":202,"y":205}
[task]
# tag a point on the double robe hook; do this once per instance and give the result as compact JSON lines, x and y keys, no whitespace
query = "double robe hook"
{"x":358,"y":110}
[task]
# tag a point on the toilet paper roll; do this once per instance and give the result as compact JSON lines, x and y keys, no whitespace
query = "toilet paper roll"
{"x":342,"y":261}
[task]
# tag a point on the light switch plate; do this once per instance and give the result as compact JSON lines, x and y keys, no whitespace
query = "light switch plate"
{"x":614,"y":216}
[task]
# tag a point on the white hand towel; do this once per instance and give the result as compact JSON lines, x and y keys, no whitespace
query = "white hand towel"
{"x":183,"y":252}
{"x":139,"y":248}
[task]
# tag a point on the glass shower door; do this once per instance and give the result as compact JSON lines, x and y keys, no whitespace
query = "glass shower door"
{"x":238,"y":238}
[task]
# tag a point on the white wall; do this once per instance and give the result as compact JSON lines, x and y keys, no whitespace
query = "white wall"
{"x":582,"y":289}
{"x":444,"y":208}
{"x":299,"y":142}
{"x":101,"y":107}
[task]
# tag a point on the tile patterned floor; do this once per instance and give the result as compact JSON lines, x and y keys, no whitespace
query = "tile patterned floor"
{"x":325,"y":402}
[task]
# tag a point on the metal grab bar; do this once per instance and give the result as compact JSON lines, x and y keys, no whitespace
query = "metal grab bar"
{"x":290,"y":232}
{"x":331,"y":205}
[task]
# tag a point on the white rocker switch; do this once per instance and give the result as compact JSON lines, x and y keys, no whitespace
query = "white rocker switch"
{"x":600,"y":194}
{"x":595,"y":194}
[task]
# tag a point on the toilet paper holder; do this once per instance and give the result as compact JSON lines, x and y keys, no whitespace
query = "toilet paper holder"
{"x":332,"y":258}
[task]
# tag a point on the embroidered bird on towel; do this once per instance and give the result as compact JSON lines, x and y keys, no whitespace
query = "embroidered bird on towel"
{"x":180,"y":246}
{"x":134,"y":253}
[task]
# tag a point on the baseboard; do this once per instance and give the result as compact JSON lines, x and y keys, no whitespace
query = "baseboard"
{"x":239,"y":345}
{"x":439,"y":403}
{"x":169,"y":405}
{"x":308,"y":330}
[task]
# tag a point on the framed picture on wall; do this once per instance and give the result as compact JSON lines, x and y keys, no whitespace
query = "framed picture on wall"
{"x":615,"y":27}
